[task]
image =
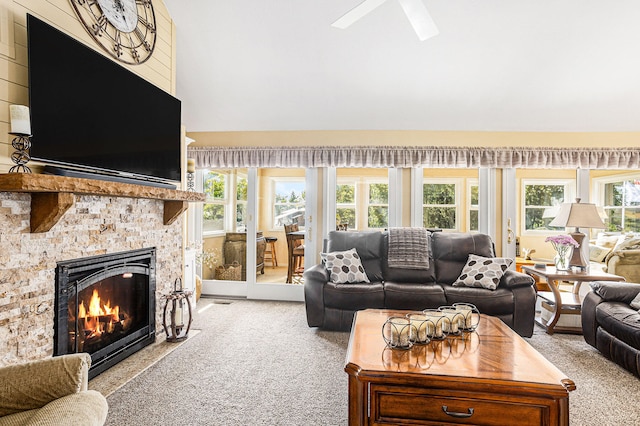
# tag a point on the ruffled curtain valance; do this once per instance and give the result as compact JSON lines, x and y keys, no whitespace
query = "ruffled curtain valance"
{"x":406,"y":157}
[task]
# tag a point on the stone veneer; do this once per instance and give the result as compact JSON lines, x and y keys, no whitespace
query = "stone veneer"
{"x":94,"y":225}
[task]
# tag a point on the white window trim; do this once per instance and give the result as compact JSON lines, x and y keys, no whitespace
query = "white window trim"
{"x":458,"y":182}
{"x":569,"y":196}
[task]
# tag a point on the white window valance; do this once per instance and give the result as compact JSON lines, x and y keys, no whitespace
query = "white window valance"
{"x":407,"y":157}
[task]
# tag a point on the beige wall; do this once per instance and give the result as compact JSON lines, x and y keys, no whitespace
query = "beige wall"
{"x":159,"y":69}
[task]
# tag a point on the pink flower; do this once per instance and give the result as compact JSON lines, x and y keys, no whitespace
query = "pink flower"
{"x":562,"y":240}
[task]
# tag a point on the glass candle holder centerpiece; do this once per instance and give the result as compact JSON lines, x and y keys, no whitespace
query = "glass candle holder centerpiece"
{"x":435,"y":324}
{"x":469,"y":314}
{"x":421,"y":323}
{"x":453,"y":319}
{"x":398,"y":332}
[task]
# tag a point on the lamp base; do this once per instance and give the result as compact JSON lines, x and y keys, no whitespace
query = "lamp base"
{"x":577,"y":259}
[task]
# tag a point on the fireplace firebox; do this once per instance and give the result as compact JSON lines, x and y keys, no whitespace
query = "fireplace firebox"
{"x":105,"y":306}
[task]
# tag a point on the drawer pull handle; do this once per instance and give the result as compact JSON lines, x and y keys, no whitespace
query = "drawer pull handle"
{"x":466,"y":415}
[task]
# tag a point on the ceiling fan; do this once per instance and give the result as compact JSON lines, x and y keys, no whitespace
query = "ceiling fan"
{"x":414,"y":9}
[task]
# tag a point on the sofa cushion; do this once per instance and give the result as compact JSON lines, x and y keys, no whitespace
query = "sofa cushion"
{"x":493,"y":302}
{"x":451,"y":250}
{"x":483,"y":272}
{"x":344,"y":267}
{"x":620,"y":320}
{"x":598,"y":253}
{"x":368,"y":244}
{"x":413,"y":296}
{"x":353,"y":296}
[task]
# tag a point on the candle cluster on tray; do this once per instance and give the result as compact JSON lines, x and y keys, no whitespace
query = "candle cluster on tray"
{"x":421,"y":327}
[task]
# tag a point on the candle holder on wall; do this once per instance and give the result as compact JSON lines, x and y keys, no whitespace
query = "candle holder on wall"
{"x":22,"y":145}
{"x":179,"y":306}
{"x":191,"y":182}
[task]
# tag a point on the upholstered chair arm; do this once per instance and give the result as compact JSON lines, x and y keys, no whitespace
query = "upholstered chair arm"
{"x":615,"y":291}
{"x":513,"y":279}
{"x":315,"y":279}
{"x":35,"y":384}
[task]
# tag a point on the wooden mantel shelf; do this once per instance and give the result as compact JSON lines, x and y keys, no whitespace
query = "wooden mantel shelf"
{"x":52,"y":196}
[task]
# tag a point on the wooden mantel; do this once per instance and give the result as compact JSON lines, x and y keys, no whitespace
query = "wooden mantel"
{"x":52,"y":196}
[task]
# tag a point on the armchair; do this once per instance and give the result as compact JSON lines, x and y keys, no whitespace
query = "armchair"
{"x":50,"y":392}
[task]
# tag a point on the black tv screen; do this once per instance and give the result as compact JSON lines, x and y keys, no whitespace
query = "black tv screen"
{"x":88,"y":111}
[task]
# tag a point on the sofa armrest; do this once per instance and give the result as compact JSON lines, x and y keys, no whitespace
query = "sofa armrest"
{"x":611,"y":291}
{"x":35,"y":384}
{"x":512,"y":279}
{"x":315,"y":279}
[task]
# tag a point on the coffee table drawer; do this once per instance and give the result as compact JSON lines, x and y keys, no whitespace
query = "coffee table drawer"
{"x":390,"y":405}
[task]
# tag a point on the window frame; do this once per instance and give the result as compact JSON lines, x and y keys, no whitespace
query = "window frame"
{"x":273,"y":182}
{"x":599,"y":184}
{"x":458,"y":182}
{"x":470,"y":206}
{"x":569,"y":196}
{"x":223,"y":202}
{"x":367,"y":182}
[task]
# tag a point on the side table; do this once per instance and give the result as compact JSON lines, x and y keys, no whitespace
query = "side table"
{"x":563,"y":302}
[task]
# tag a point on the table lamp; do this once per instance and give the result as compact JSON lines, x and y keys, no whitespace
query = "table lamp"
{"x":578,"y":215}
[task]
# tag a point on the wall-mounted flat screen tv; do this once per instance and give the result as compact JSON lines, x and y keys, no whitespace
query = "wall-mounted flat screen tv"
{"x":91,"y":113}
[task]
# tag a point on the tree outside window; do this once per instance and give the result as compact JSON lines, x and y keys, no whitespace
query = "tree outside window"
{"x":622,"y":205}
{"x":541,"y":204}
{"x":378,"y":205}
{"x":473,"y":207}
{"x":289,"y":202}
{"x":439,"y":205}
{"x":346,"y":204}
{"x":213,"y":212}
{"x":241,"y":204}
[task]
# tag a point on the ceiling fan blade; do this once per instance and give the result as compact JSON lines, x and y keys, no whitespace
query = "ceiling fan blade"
{"x":420,"y":19}
{"x":356,"y":13}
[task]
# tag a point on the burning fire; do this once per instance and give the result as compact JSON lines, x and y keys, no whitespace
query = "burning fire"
{"x":101,"y":317}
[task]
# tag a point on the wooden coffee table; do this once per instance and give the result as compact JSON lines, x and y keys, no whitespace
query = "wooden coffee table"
{"x":488,"y":377}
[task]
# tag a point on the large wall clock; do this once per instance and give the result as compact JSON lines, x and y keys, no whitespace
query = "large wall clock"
{"x":126,"y":29}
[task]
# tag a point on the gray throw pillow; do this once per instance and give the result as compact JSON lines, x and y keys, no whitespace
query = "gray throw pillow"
{"x":344,"y":267}
{"x":483,"y":272}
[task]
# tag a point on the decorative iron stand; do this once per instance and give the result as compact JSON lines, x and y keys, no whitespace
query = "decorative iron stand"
{"x":175,"y":329}
{"x":22,"y":145}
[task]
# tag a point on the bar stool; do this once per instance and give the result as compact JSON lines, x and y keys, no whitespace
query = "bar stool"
{"x":270,"y":251}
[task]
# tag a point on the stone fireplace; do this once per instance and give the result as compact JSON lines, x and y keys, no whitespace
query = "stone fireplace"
{"x":102,"y":219}
{"x":105,"y":306}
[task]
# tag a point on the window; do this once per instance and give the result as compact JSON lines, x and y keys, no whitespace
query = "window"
{"x":439,"y":204}
{"x":346,"y":204}
{"x":378,"y":205}
{"x":542,"y":200}
{"x":472,"y":203}
{"x":621,"y":201}
{"x":289,"y":202}
{"x":241,"y":203}
{"x":215,"y":186}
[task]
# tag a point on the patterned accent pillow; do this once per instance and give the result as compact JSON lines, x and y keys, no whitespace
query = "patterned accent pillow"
{"x":483,"y":272}
{"x":344,"y":267}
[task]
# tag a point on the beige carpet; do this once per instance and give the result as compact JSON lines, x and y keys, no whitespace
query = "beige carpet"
{"x":257,"y":363}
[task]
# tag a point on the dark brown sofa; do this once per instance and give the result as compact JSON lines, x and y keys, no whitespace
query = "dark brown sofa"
{"x":332,"y":306}
{"x":611,"y":325}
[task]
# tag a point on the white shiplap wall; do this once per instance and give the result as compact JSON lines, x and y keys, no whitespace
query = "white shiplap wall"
{"x":159,"y":69}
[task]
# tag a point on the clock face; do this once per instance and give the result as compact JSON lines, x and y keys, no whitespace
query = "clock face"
{"x":126,"y":29}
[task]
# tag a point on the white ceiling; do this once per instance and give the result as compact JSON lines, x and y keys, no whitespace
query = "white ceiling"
{"x":497,"y":65}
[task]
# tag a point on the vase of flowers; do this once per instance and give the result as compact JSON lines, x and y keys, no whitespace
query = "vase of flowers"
{"x":564,"y":245}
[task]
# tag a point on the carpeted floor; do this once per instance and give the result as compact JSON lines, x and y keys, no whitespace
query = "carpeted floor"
{"x":257,"y":363}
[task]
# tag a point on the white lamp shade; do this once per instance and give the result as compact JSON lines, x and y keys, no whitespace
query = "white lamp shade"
{"x":578,"y":215}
